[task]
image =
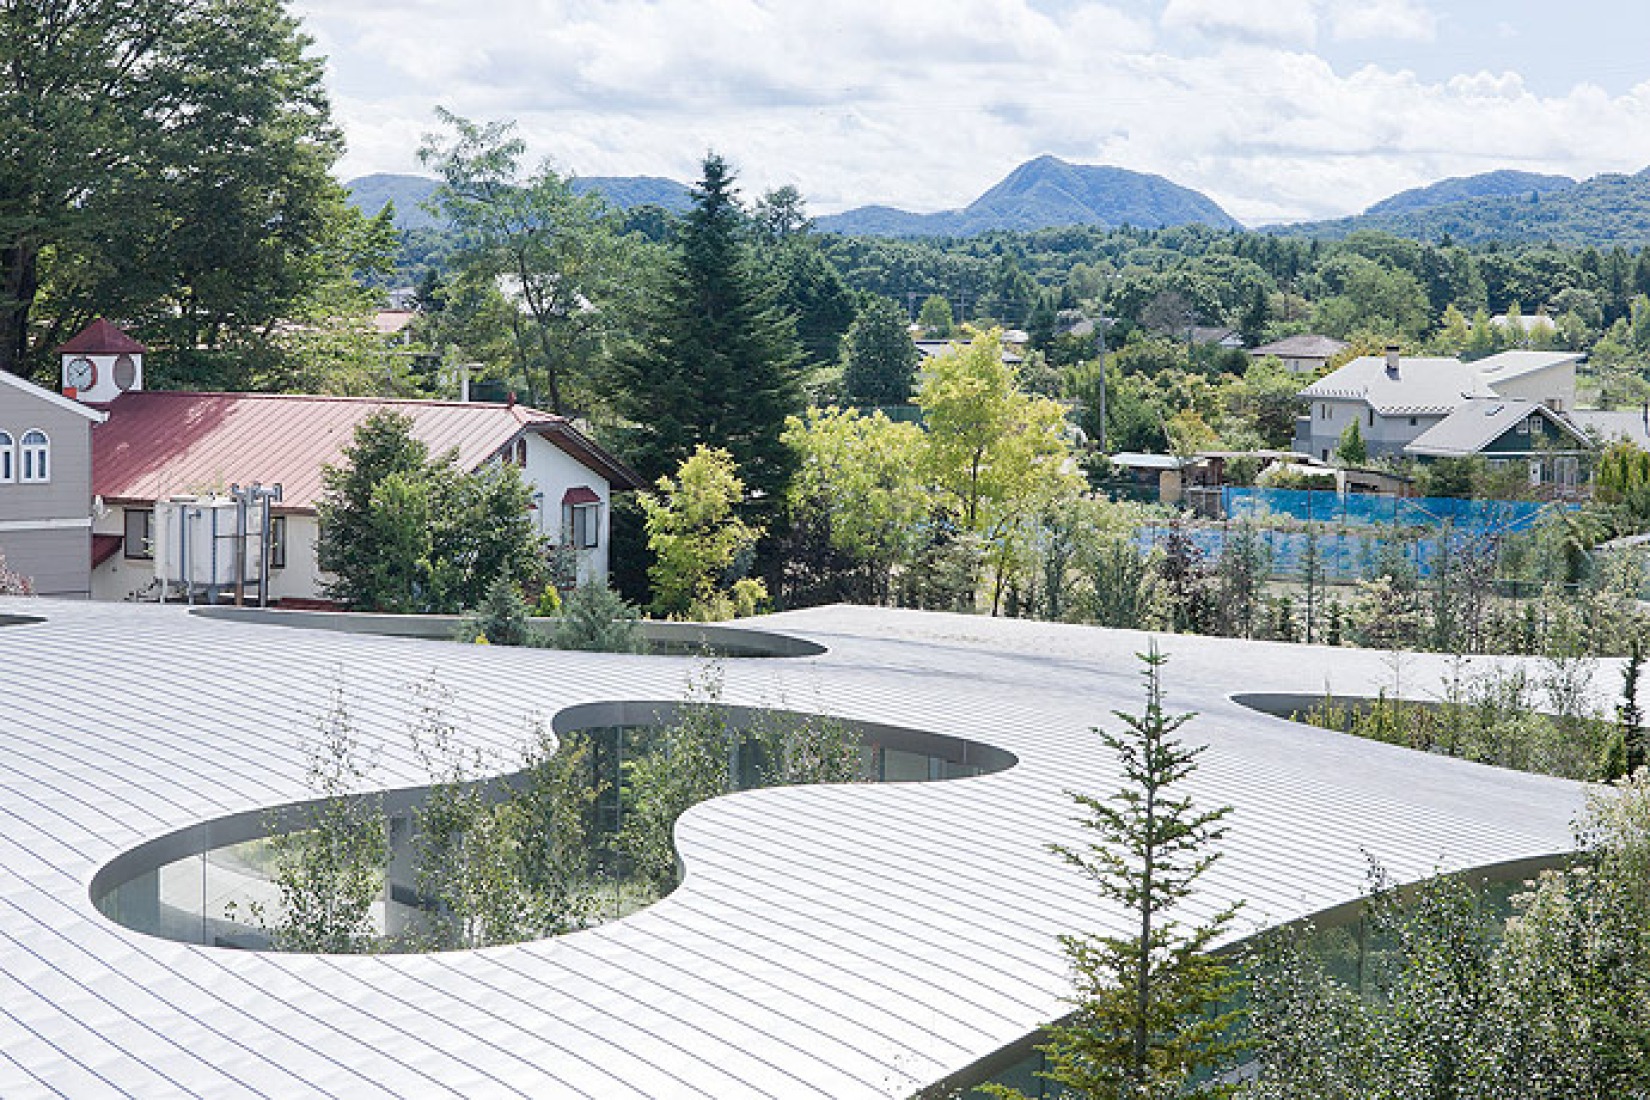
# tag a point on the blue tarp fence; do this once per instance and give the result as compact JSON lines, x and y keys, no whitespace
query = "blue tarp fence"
{"x":1373,"y":510}
{"x":1353,"y":530}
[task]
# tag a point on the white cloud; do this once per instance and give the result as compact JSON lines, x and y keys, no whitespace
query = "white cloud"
{"x":1292,"y":22}
{"x":926,"y":103}
{"x":1404,"y":20}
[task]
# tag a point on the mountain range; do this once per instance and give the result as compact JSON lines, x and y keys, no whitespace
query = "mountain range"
{"x":1603,"y":211}
{"x":1043,"y":193}
{"x":1500,"y":183}
{"x":1504,"y":205}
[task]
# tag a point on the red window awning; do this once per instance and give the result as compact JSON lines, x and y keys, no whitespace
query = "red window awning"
{"x":580,"y":494}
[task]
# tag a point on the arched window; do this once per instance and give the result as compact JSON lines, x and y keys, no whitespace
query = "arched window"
{"x":8,"y":459}
{"x":35,"y":457}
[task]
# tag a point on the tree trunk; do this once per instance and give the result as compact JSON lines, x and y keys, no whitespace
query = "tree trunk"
{"x":19,"y":281}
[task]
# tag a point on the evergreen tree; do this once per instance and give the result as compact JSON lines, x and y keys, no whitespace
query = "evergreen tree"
{"x":879,"y":359}
{"x":1351,"y":449}
{"x":1148,"y":1021}
{"x":715,"y":362}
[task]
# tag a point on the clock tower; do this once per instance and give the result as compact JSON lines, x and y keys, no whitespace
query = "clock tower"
{"x":101,"y":363}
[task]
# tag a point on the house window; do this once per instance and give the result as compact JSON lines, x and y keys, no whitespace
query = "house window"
{"x":1371,"y":418}
{"x":581,"y":524}
{"x":581,"y":516}
{"x":277,"y":542}
{"x":35,"y":457}
{"x":1414,"y":421}
{"x":1567,"y":472}
{"x":8,"y":459}
{"x":521,"y":453}
{"x":139,"y":544}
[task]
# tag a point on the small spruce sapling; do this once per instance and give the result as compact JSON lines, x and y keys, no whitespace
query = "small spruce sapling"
{"x":1149,"y":1019}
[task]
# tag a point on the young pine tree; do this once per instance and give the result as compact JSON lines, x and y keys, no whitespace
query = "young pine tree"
{"x":1148,"y":1020}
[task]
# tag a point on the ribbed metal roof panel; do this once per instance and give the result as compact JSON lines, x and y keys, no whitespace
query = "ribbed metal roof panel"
{"x":840,"y":942}
{"x":158,"y":444}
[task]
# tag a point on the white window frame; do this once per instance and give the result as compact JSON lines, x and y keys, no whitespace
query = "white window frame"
{"x":8,"y":459}
{"x":587,"y":516}
{"x":34,"y":458}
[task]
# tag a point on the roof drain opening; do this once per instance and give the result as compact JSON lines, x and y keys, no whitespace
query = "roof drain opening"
{"x":224,"y":882}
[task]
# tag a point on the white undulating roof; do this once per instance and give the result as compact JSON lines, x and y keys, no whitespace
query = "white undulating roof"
{"x":831,"y":942}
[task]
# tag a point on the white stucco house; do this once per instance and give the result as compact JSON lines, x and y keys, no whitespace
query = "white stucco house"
{"x":157,"y":446}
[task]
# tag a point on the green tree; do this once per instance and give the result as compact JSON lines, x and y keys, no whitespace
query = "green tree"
{"x":1351,"y":450}
{"x":997,"y":458}
{"x":125,"y":128}
{"x":699,"y":541}
{"x":879,"y":359}
{"x":554,"y":248}
{"x":810,"y":290}
{"x":859,"y":483}
{"x":330,"y":856}
{"x":403,"y":532}
{"x":598,"y":619}
{"x":934,"y":317}
{"x":714,"y":363}
{"x":500,"y":618}
{"x":1149,"y":1020}
{"x":691,"y":761}
{"x":1241,"y":573}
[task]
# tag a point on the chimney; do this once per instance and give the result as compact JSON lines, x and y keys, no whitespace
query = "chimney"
{"x":1392,"y":360}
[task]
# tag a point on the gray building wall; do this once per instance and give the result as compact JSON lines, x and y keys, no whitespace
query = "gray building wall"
{"x":46,"y":529}
{"x":1319,"y":434}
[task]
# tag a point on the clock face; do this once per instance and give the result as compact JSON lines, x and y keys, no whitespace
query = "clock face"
{"x":81,"y":373}
{"x":125,"y":373}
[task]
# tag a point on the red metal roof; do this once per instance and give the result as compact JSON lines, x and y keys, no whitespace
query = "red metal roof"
{"x":158,"y":444}
{"x":101,"y":338}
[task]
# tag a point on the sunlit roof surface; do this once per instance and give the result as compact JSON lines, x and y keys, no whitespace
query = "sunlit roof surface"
{"x":828,"y":942}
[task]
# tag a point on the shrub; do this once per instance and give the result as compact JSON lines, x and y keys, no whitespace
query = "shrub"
{"x":597,"y":619}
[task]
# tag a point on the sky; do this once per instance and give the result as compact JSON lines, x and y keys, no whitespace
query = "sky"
{"x":1279,"y":110}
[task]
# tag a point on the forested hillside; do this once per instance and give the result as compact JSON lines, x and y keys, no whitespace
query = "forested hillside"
{"x":1505,"y":182}
{"x":1604,"y":211}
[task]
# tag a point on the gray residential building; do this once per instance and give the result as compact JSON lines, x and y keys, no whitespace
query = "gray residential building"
{"x":46,"y":487}
{"x":1396,"y":399}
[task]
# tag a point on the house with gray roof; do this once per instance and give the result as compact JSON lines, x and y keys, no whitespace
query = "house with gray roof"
{"x":1507,"y":431}
{"x":1397,"y":400}
{"x":1307,"y":353}
{"x":1392,"y":399}
{"x":1606,"y":426}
